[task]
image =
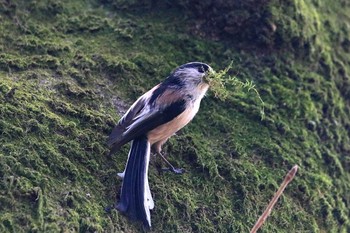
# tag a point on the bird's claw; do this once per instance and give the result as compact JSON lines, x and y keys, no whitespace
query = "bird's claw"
{"x":174,"y":170}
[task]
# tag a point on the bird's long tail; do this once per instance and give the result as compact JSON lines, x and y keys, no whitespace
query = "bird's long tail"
{"x":136,"y":200}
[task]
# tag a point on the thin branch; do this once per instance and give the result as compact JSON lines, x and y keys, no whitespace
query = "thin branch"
{"x":289,"y":177}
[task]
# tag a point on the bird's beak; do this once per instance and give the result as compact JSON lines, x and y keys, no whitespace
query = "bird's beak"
{"x":208,"y":76}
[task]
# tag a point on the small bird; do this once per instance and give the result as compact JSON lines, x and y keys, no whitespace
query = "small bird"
{"x":150,"y":121}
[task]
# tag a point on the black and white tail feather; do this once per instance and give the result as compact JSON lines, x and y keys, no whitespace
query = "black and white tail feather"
{"x":136,"y":200}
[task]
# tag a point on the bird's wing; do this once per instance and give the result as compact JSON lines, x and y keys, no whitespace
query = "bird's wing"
{"x":146,"y":120}
{"x":129,"y":117}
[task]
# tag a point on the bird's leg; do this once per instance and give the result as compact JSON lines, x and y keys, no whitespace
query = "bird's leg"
{"x":171,"y":167}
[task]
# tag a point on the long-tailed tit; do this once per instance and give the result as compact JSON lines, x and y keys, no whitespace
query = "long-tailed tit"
{"x":149,"y":122}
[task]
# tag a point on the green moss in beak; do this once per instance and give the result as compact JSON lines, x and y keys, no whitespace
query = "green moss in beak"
{"x":223,"y":85}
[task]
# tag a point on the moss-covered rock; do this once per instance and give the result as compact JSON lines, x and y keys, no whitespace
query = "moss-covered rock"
{"x":69,"y":69}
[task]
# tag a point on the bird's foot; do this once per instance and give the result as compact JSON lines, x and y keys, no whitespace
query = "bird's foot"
{"x":109,"y":208}
{"x":171,"y":168}
{"x":174,"y":170}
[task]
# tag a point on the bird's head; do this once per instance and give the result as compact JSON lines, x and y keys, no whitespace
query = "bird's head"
{"x":193,"y":74}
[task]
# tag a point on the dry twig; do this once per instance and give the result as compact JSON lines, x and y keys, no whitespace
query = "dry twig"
{"x":289,"y":177}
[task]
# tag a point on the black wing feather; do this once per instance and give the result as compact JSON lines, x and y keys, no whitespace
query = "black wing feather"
{"x":149,"y":123}
{"x":126,"y":121}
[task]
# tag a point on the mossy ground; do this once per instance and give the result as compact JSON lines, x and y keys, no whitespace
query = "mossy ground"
{"x":68,"y":69}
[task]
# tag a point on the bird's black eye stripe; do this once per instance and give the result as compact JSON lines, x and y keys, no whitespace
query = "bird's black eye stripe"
{"x":201,"y":69}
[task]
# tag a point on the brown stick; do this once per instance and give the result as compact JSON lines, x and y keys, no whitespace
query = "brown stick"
{"x":289,"y":177}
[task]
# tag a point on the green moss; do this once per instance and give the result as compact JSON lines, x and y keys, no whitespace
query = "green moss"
{"x":7,"y":224}
{"x":68,"y":66}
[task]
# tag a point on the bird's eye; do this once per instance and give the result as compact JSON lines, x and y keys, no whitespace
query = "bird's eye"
{"x":201,"y":69}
